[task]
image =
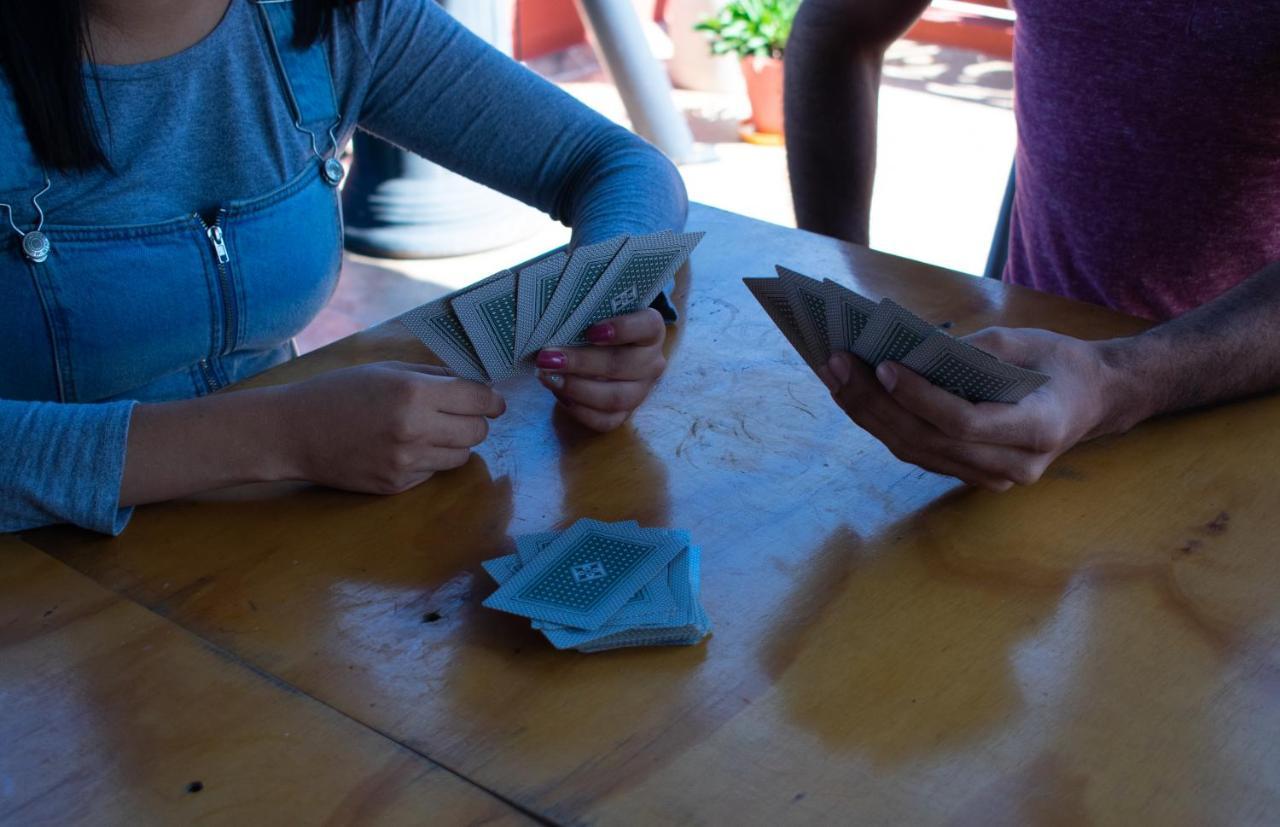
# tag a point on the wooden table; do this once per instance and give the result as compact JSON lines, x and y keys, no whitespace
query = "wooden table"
{"x":889,"y":647}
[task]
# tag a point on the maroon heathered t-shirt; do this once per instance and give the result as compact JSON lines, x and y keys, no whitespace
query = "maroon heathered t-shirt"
{"x":1148,"y":161}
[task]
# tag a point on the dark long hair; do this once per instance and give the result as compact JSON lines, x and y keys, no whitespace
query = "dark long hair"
{"x":43,"y":44}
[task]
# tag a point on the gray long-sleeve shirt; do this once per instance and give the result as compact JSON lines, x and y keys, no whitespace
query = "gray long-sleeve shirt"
{"x":210,"y":125}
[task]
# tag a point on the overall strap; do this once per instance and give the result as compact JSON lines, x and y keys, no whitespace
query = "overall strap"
{"x":22,"y":180}
{"x":303,"y":72}
{"x":21,"y":176}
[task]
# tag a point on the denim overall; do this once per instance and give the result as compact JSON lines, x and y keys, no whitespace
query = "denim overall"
{"x":183,"y":307}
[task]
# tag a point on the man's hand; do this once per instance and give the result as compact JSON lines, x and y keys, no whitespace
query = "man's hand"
{"x":990,"y":444}
{"x":600,"y":386}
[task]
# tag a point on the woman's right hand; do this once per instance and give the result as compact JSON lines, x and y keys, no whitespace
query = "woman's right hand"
{"x":382,"y":428}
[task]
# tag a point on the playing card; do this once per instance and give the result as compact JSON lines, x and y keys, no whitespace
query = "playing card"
{"x":638,"y":273}
{"x":847,"y":315}
{"x":583,"y":270}
{"x":487,"y":313}
{"x":535,"y":285}
{"x":437,"y":327}
{"x":698,"y":627}
{"x":772,"y":297}
{"x":501,"y":569}
{"x":809,"y":307}
{"x":530,"y":546}
{"x":671,"y":604}
{"x":891,"y":333}
{"x":587,"y":574}
{"x":969,"y":372}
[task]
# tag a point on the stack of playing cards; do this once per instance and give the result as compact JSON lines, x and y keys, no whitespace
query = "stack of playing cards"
{"x":495,"y":328}
{"x":822,"y":317}
{"x":603,"y":586}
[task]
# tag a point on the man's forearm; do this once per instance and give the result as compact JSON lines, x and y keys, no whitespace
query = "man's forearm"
{"x":1226,"y":349}
{"x":834,"y":57}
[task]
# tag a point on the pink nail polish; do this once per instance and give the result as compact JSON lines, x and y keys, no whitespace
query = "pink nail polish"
{"x":600,"y":333}
{"x":551,"y":360}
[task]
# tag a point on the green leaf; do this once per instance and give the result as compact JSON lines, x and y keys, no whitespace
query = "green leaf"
{"x":750,"y":27}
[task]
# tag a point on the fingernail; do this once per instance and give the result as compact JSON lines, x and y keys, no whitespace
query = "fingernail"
{"x":839,"y":368}
{"x":887,"y":375}
{"x":555,"y":380}
{"x":551,"y":360}
{"x":600,"y":333}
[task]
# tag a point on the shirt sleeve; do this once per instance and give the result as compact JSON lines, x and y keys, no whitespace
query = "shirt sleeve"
{"x":63,"y":464}
{"x":438,"y":90}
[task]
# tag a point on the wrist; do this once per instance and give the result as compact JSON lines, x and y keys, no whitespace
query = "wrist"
{"x":264,"y":442}
{"x":1128,"y":384}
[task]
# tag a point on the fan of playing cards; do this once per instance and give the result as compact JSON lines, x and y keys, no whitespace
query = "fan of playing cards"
{"x":822,"y":317}
{"x":494,"y":328}
{"x":603,"y":586}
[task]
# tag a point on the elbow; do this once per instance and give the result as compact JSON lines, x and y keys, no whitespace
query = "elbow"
{"x":852,"y":28}
{"x":674,"y":185}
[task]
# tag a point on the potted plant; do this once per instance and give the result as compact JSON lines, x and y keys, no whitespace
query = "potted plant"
{"x":756,"y":31}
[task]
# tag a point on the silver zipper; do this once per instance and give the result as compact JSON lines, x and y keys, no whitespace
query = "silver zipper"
{"x":206,"y":370}
{"x":219,"y":246}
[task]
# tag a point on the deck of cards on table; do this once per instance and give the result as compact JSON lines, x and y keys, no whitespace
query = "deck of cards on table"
{"x":494,"y":328}
{"x":819,"y":318}
{"x":600,"y":586}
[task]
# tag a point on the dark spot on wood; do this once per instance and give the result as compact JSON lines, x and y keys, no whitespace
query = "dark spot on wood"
{"x":195,"y":786}
{"x":1064,"y":472}
{"x":1190,"y":547}
{"x":1218,"y":524}
{"x":516,"y":651}
{"x":253,"y":606}
{"x":430,"y":617}
{"x":50,"y":611}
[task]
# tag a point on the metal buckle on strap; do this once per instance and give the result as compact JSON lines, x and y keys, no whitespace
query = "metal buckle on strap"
{"x":35,"y":244}
{"x":319,"y":111}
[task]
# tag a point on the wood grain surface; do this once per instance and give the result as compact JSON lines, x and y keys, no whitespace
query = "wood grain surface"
{"x":889,"y":646}
{"x":112,"y":715}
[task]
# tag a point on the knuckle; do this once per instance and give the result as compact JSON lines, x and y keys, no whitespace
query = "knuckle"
{"x":401,"y":390}
{"x":959,"y":427}
{"x":573,"y":360}
{"x":1022,"y":474}
{"x":617,"y":362}
{"x":401,"y":459}
{"x":402,"y":431}
{"x":614,"y":420}
{"x":480,"y":397}
{"x":617,"y":400}
{"x":393,"y":484}
{"x":1049,"y":439}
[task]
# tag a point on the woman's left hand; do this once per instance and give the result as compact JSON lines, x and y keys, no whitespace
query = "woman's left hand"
{"x":602,"y":384}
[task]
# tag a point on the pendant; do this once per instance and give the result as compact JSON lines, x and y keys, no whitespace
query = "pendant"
{"x":333,"y":172}
{"x":35,"y":246}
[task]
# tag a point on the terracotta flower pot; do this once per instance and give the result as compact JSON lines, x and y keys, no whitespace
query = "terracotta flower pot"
{"x":764,"y":88}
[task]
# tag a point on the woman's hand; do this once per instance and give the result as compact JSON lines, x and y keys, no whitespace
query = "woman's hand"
{"x":383,"y":428}
{"x":989,"y":444}
{"x":600,"y":386}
